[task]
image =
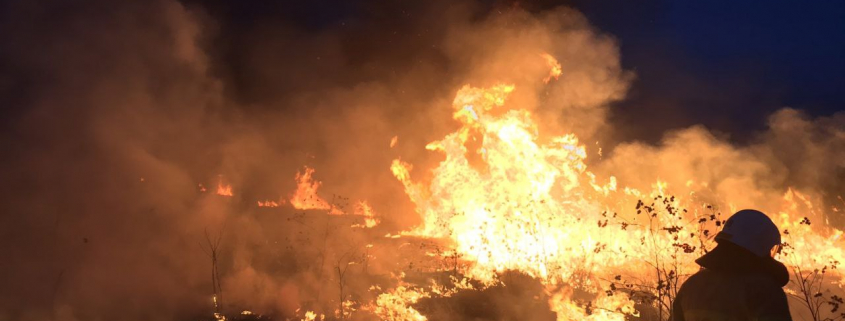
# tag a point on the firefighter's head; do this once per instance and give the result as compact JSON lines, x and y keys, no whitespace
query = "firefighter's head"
{"x":753,"y":231}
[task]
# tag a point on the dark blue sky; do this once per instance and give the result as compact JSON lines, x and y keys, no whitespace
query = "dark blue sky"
{"x":724,"y":64}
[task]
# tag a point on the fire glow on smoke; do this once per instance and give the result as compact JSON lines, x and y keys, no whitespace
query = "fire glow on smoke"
{"x":508,"y":197}
{"x":532,"y":206}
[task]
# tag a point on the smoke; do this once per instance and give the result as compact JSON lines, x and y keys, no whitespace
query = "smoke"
{"x":104,"y":155}
{"x":120,"y":114}
{"x":794,"y":152}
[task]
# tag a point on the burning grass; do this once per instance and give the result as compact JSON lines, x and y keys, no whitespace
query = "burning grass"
{"x":511,"y":211}
{"x":517,"y":227}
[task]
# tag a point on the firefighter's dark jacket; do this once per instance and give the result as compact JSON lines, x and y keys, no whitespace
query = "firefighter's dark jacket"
{"x":733,"y":285}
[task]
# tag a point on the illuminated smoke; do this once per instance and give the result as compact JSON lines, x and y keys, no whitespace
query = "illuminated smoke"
{"x":115,"y":91}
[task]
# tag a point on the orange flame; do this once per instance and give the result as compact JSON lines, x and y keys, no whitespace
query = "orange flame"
{"x":268,"y":204}
{"x":364,"y":209}
{"x":224,"y":190}
{"x":533,"y":207}
{"x":305,"y":197}
{"x":555,"y":67}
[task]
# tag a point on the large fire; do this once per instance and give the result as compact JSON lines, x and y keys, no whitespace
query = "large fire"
{"x":508,"y":197}
{"x":530,"y":205}
{"x":393,"y":160}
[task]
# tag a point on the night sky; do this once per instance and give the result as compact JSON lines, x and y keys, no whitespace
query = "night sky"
{"x":727,"y":64}
{"x":723,"y":64}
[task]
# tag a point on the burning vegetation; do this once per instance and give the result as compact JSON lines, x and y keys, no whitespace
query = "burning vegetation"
{"x":508,"y":198}
{"x":513,"y":214}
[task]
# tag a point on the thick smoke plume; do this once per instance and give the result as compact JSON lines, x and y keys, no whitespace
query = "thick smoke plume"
{"x":122,"y":118}
{"x":795,"y":152}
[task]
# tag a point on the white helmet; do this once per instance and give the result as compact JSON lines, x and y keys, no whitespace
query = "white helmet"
{"x":751,"y":230}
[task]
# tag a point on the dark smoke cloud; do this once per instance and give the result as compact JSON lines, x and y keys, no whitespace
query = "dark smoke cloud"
{"x":116,"y":112}
{"x":112,"y":93}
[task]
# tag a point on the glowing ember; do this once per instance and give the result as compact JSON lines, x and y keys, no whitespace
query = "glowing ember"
{"x":268,"y":204}
{"x":393,"y":141}
{"x":311,"y":316}
{"x":224,"y":189}
{"x":364,"y":209}
{"x":396,"y":305}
